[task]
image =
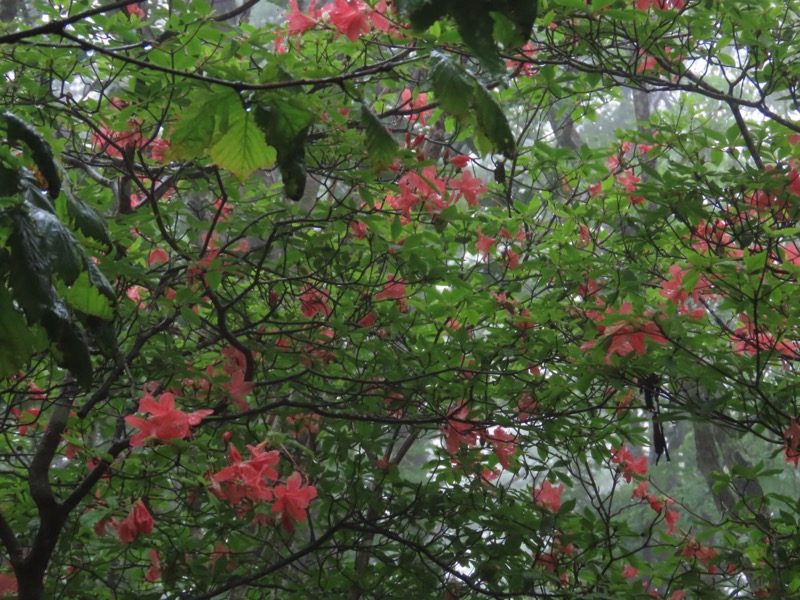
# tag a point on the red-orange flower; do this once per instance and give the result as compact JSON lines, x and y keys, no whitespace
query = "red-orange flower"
{"x":791,"y":438}
{"x":459,"y":431}
{"x":395,"y":289}
{"x":314,"y":301}
{"x":166,"y":422}
{"x":154,"y":572}
{"x":350,"y":18}
{"x":299,"y":22}
{"x":548,"y":496}
{"x":292,"y":499}
{"x":139,"y":520}
{"x":630,"y":466}
{"x":628,"y":572}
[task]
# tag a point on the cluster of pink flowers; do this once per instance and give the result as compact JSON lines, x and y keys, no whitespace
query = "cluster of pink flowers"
{"x":460,"y":431}
{"x":350,"y":18}
{"x":165,"y":422}
{"x":114,"y":143}
{"x":627,"y":335}
{"x":249,"y":483}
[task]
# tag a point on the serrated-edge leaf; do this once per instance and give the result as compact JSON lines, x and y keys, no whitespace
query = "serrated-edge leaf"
{"x":452,"y":86}
{"x":87,"y":220}
{"x":243,"y":149}
{"x":381,"y":145}
{"x":492,"y":121}
{"x":98,"y":280}
{"x":85,"y":298}
{"x":202,"y":123}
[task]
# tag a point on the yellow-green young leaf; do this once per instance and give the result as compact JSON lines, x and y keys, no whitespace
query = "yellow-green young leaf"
{"x":83,"y":297}
{"x":242,"y":148}
{"x":202,"y":123}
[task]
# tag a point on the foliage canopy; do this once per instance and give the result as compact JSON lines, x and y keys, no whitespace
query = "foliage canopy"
{"x":424,"y":299}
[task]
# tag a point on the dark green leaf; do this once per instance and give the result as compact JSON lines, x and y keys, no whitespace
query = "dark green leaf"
{"x":285,"y":124}
{"x":29,"y":272}
{"x":381,"y":146}
{"x":476,"y":27}
{"x":88,"y":222}
{"x":422,"y":13}
{"x":56,"y":242}
{"x":492,"y":122}
{"x":16,"y":340}
{"x":452,"y":86}
{"x":70,"y":349}
{"x":19,"y":130}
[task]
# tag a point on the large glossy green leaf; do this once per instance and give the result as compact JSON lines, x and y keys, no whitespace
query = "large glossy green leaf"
{"x":475,"y":24}
{"x":29,"y":270}
{"x":30,"y":275}
{"x":68,"y":344}
{"x":476,"y":27}
{"x":57,"y":244}
{"x":41,"y":152}
{"x":422,"y":13}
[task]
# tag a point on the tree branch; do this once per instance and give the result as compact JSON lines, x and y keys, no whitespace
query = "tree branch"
{"x":247,"y":5}
{"x":10,"y":541}
{"x":57,"y":27}
{"x":239,"y":86}
{"x":748,"y":139}
{"x":253,"y":577}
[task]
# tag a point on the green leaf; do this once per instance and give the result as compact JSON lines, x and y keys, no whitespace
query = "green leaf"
{"x":523,"y":14}
{"x":88,"y":222}
{"x":98,"y":280}
{"x":17,"y":343}
{"x":492,"y":122}
{"x":242,"y":149}
{"x":202,"y":123}
{"x":381,"y":146}
{"x":422,"y":13}
{"x":452,"y":86}
{"x":476,"y":27}
{"x":42,"y":153}
{"x":285,"y":124}
{"x":32,"y":290}
{"x":70,"y":349}
{"x":57,"y":243}
{"x":84,"y":297}
{"x":29,"y":272}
